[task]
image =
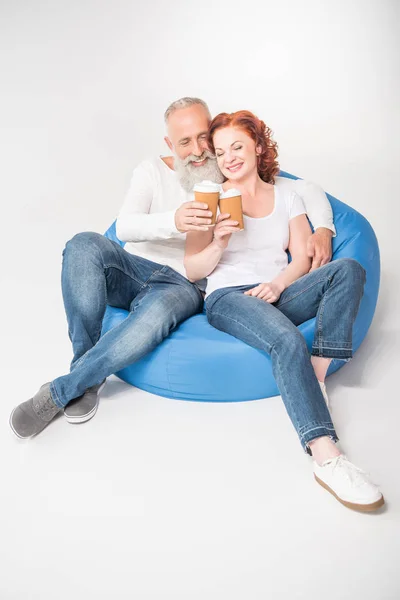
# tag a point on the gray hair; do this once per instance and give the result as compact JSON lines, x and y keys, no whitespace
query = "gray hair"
{"x":184,"y":103}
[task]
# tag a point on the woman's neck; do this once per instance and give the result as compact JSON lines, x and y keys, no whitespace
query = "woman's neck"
{"x":249,"y":186}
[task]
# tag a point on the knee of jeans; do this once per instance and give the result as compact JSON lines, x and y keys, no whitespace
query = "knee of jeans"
{"x":289,"y":340}
{"x":353,"y":269}
{"x":82,"y":241}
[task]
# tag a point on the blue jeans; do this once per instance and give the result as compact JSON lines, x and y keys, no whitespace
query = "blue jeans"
{"x":96,"y":271}
{"x":332,"y":294}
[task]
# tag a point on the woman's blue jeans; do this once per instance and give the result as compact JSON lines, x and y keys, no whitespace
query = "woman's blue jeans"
{"x":332,"y":294}
{"x":96,"y":271}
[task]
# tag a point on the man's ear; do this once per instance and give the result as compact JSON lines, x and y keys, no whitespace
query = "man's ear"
{"x":169,"y":143}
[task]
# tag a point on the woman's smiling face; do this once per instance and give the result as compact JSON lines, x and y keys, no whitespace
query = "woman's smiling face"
{"x":236,"y":152}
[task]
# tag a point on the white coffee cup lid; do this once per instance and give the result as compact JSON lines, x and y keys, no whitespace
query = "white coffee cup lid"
{"x":230,"y":193}
{"x":207,"y":187}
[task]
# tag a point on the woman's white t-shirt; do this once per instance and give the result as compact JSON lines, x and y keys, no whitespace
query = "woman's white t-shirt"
{"x":258,"y":253}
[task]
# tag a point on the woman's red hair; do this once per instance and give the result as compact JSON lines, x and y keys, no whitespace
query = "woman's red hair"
{"x":267,"y":165}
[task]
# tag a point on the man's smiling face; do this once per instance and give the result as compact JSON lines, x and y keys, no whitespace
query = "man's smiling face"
{"x":187,"y":133}
{"x":187,"y":138}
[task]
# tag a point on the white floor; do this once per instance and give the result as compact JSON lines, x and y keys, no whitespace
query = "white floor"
{"x":156,"y":498}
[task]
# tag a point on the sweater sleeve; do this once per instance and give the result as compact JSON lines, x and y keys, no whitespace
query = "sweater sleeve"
{"x":317,"y":205}
{"x":135,"y":223}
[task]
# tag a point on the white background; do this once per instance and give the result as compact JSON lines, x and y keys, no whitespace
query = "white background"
{"x":156,"y":498}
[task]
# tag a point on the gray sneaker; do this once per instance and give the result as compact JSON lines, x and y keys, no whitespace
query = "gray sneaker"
{"x":84,"y":407}
{"x":31,"y":417}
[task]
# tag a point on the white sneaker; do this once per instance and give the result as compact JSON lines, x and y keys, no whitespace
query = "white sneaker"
{"x":324,"y":392}
{"x":349,"y":484}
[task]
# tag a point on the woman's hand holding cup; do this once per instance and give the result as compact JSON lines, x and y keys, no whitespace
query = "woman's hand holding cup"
{"x":223,"y":230}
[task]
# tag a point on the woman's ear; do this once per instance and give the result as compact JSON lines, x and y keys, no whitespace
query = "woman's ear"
{"x":258,"y":150}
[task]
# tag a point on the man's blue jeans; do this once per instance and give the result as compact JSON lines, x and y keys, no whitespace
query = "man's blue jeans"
{"x":96,"y":271}
{"x":332,"y":294}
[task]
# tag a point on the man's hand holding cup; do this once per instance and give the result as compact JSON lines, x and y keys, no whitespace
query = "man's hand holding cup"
{"x":193,"y":216}
{"x":200,"y":214}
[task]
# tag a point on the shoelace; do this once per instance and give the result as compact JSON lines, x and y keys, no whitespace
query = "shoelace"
{"x":45,"y":407}
{"x":355,"y":475}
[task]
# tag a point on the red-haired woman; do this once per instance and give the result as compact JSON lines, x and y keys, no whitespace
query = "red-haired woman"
{"x":256,"y":296}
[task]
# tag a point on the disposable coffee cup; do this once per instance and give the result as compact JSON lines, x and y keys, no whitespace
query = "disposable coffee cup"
{"x":231,"y":202}
{"x":208,"y":192}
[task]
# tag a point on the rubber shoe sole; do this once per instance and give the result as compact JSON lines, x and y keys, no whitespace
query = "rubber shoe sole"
{"x":22,"y":437}
{"x":87,"y":416}
{"x":354,"y":506}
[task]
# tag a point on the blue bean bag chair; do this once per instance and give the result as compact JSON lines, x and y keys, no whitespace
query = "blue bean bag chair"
{"x":198,"y":362}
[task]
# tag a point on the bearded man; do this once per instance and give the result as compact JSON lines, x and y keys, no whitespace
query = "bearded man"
{"x":147,"y":276}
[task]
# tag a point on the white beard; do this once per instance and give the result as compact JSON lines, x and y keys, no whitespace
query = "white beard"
{"x":189,"y":175}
